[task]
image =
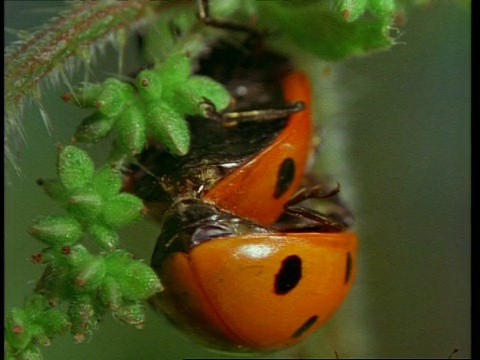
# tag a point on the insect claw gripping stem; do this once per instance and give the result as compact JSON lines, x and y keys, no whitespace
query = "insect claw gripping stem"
{"x":211,"y":111}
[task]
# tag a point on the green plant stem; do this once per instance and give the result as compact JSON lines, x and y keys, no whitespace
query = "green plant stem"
{"x":27,"y":64}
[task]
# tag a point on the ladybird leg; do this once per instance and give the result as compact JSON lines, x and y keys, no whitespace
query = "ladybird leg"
{"x":204,"y":16}
{"x":343,"y":212}
{"x":314,"y":192}
{"x":234,"y":117}
{"x":326,"y":223}
{"x":337,"y":219}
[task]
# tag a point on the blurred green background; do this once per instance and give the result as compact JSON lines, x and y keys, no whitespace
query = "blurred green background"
{"x":406,"y":131}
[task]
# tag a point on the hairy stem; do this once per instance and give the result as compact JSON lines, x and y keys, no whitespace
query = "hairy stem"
{"x":66,"y":37}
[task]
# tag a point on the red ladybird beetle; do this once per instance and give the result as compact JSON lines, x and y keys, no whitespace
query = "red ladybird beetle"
{"x":240,"y":287}
{"x":250,"y":169}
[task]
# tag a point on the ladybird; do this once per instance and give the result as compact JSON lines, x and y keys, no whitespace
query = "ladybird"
{"x":239,"y":287}
{"x":249,"y":166}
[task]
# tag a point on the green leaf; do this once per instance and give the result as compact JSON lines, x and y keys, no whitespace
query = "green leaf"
{"x":199,"y":88}
{"x":131,"y":130}
{"x":316,"y":28}
{"x":109,"y":293}
{"x":53,"y":188}
{"x":85,"y":204}
{"x":224,"y":8}
{"x":31,"y":352}
{"x":38,"y":335}
{"x":35,"y":304}
{"x":175,"y":70}
{"x":169,"y":127}
{"x":131,"y":313}
{"x":352,"y":9}
{"x":150,"y":86}
{"x":94,"y":127}
{"x":79,"y":255}
{"x":114,"y":97}
{"x":136,"y":280}
{"x":86,"y":96}
{"x":182,"y":21}
{"x":104,"y":236}
{"x":56,"y":230}
{"x":122,"y":209}
{"x":84,"y":317}
{"x":107,"y":181}
{"x":91,"y":275}
{"x":75,"y":168}
{"x":53,"y":322}
{"x":382,"y":9}
{"x":17,"y":328}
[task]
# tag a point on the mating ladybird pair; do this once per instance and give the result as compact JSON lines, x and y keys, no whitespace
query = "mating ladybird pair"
{"x":243,"y":266}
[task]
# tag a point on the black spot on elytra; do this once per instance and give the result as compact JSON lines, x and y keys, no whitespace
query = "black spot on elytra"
{"x":289,"y":274}
{"x":285,"y":176}
{"x":306,"y":325}
{"x":348,"y":270}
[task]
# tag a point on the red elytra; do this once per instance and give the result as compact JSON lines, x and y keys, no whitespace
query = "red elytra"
{"x":258,"y":189}
{"x":259,"y":291}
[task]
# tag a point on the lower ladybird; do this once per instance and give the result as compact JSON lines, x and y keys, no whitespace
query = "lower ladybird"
{"x":238,"y":287}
